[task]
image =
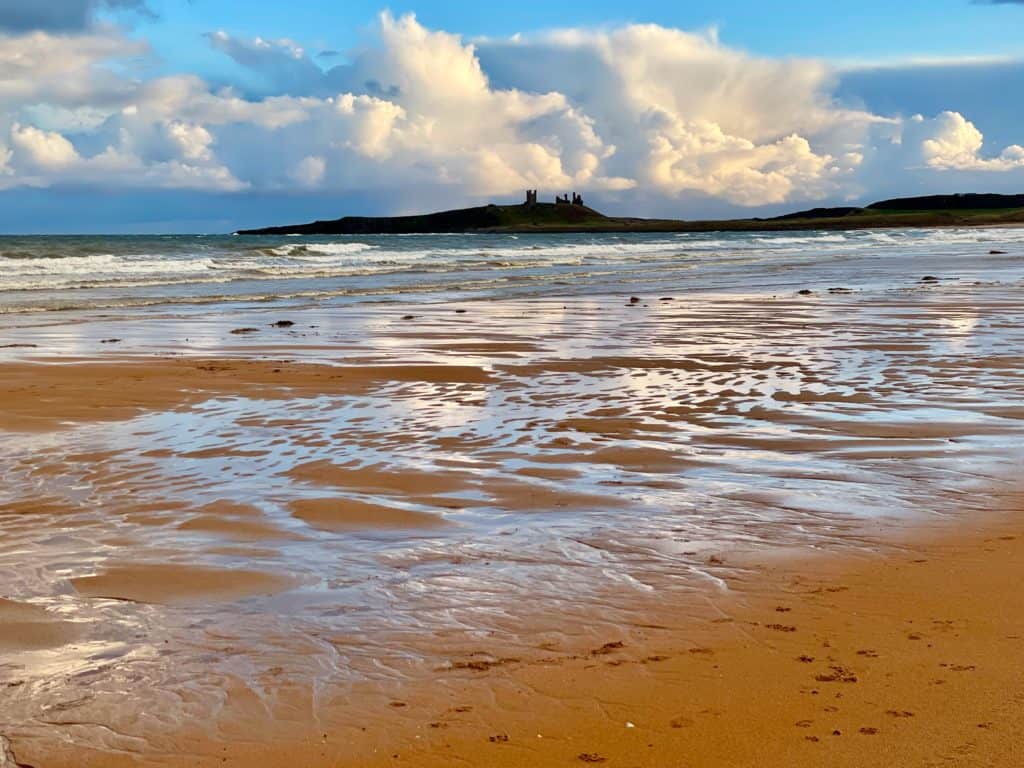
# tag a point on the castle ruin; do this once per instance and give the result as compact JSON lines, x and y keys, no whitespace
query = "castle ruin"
{"x":576,"y":199}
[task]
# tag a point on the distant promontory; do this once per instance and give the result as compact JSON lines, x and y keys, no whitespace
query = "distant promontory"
{"x":571,"y":215}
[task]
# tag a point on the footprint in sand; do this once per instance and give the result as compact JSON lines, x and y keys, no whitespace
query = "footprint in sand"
{"x":837,"y":674}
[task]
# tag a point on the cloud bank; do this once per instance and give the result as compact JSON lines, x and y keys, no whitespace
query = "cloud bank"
{"x":656,"y":113}
{"x":59,"y":15}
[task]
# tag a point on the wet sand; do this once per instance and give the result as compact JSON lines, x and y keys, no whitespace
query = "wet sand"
{"x":915,"y":658}
{"x":72,"y":391}
{"x":30,"y":627}
{"x":177,"y":584}
{"x":338,"y":514}
{"x":736,"y":531}
{"x":896,"y":662}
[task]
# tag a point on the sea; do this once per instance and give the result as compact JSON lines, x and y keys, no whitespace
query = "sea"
{"x":40,"y":273}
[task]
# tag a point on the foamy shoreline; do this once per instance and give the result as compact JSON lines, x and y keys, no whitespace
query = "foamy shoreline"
{"x":108,"y":273}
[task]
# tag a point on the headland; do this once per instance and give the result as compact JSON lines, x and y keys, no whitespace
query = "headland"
{"x":572,"y":215}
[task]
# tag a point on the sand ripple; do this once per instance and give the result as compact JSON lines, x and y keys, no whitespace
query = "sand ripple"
{"x":265,"y":520}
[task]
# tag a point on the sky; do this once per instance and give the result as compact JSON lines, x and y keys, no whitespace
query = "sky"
{"x":208,"y":116}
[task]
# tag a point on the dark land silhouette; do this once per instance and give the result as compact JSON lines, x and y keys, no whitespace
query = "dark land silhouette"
{"x":571,"y":215}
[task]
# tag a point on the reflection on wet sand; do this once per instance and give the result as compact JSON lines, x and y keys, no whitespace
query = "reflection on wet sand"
{"x":277,"y":534}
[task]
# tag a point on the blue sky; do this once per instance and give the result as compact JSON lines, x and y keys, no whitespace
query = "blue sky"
{"x":209,"y":115}
{"x":870,"y":29}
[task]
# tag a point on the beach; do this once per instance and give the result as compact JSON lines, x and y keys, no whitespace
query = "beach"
{"x":669,"y":510}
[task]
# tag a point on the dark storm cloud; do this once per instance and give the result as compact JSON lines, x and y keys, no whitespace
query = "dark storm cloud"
{"x":58,"y":15}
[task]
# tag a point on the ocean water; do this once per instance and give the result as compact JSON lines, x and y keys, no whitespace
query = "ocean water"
{"x":71,"y":272}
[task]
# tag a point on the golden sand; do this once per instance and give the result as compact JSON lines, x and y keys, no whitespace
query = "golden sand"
{"x":914,"y":659}
{"x":554,"y":534}
{"x":176,"y":584}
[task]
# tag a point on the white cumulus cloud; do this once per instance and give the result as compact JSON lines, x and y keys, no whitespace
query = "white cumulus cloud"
{"x":663,"y":113}
{"x":46,"y":149}
{"x":955,"y":143}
